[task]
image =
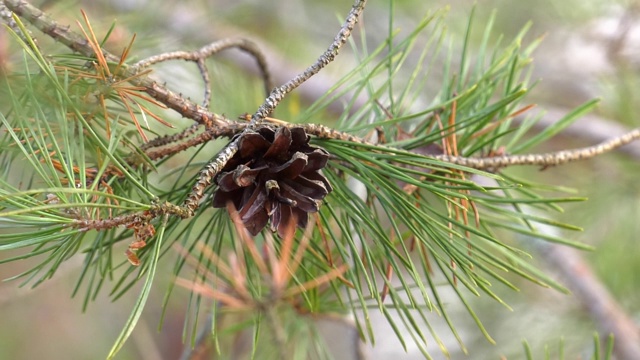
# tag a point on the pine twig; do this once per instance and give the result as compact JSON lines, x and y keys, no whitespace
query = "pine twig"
{"x":497,"y":162}
{"x":601,"y":306}
{"x":5,"y":15}
{"x":200,"y":55}
{"x":206,"y":176}
{"x":280,"y":65}
{"x":218,"y":125}
{"x":157,"y":154}
{"x":327,"y":57}
{"x":545,"y":160}
{"x":591,"y":128}
{"x":80,"y":44}
{"x":132,"y":220}
{"x":176,"y":143}
{"x":168,"y":139}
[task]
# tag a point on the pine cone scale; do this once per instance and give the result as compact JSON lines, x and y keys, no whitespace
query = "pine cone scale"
{"x":257,"y":222}
{"x":310,"y":188}
{"x":316,"y":160}
{"x":275,"y":177}
{"x":251,"y":143}
{"x":280,"y":146}
{"x":317,"y":176}
{"x":220,"y":198}
{"x":303,"y":202}
{"x":292,"y":168}
{"x":245,"y":176}
{"x":254,"y":204}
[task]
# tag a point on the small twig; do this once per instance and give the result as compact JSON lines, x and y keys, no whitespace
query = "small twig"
{"x":202,"y":67}
{"x":205,"y":52}
{"x":169,"y":139}
{"x":7,"y":16}
{"x":481,"y":163}
{"x":78,"y":43}
{"x":601,"y":306}
{"x":493,"y":163}
{"x":204,"y":137}
{"x":280,"y":65}
{"x":133,"y":219}
{"x":217,"y":125}
{"x":157,"y":154}
{"x":545,"y":160}
{"x":272,"y":101}
{"x":207,"y":175}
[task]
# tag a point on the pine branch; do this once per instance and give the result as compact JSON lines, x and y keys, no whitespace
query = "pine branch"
{"x":207,"y":175}
{"x":200,"y":55}
{"x":544,"y":160}
{"x":6,"y":16}
{"x":327,"y":57}
{"x":593,"y":295}
{"x":185,"y":107}
{"x":80,"y":44}
{"x":227,"y":127}
{"x":442,"y":231}
{"x":590,"y":128}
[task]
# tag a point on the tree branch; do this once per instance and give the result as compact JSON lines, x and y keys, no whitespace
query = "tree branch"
{"x":193,"y":111}
{"x":80,"y":44}
{"x":207,"y":51}
{"x":602,"y":307}
{"x":545,"y":160}
{"x":327,"y":57}
{"x":596,"y":298}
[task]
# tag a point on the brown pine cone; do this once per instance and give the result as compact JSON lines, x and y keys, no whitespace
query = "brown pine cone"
{"x":274,"y":175}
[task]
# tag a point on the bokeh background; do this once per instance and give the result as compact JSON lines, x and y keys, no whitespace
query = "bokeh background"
{"x":590,"y":50}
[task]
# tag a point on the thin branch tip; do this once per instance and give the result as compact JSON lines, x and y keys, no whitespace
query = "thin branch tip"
{"x":278,"y":94}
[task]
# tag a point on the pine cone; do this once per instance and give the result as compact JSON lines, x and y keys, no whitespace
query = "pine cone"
{"x":274,"y":175}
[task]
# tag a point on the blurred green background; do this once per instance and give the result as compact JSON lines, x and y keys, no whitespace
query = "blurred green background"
{"x":590,"y":50}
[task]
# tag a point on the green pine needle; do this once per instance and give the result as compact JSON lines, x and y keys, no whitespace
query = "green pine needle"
{"x":407,"y":225}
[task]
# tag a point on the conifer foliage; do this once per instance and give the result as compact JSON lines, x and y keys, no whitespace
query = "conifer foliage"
{"x":288,"y":221}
